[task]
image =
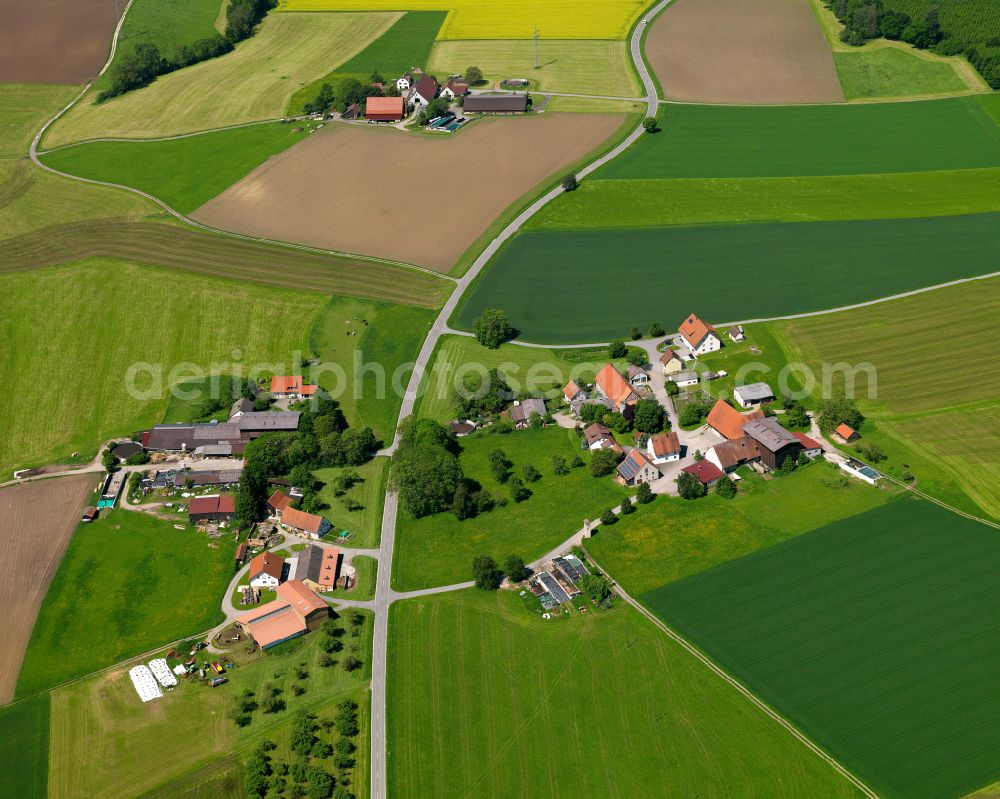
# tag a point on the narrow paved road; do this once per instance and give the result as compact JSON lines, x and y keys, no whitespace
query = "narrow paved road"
{"x":384,"y":595}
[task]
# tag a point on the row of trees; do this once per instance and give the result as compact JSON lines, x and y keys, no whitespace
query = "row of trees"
{"x":346,"y":93}
{"x":488,"y":575}
{"x":141,"y":67}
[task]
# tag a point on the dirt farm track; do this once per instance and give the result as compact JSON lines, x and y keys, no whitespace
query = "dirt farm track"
{"x":734,"y":51}
{"x":410,"y":197}
{"x":39,"y":520}
{"x":55,"y":41}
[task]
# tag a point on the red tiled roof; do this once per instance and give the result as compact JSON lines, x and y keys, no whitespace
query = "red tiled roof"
{"x":279,"y":500}
{"x":668,"y":356}
{"x":298,"y":595}
{"x":665,"y":444}
{"x":614,"y":386}
{"x":727,"y":420}
{"x":570,"y":390}
{"x":704,"y":470}
{"x":845,"y":431}
{"x":266,"y":563}
{"x":214,"y":504}
{"x":384,"y":105}
{"x":301,"y":520}
{"x":694,"y":330}
{"x":807,"y":442}
{"x":291,"y":384}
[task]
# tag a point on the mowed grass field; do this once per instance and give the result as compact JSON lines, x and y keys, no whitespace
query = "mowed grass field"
{"x":365,"y":525}
{"x":39,"y":520}
{"x":438,"y":549}
{"x":579,"y":65}
{"x":527,"y":370}
{"x":252,"y":83}
{"x":873,"y":635}
{"x":691,"y":201}
{"x":939,"y":429}
{"x":366,"y":352}
{"x":511,"y":19}
{"x":729,"y":272}
{"x":717,"y":141}
{"x":121,"y":590}
{"x":208,"y":254}
{"x":24,"y":757}
{"x":487,"y":699}
{"x":145,"y":315}
{"x":185,"y":172}
{"x":673,"y":538}
{"x":105,"y":742}
{"x":24,"y":108}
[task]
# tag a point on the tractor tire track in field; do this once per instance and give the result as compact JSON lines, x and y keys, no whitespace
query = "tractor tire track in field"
{"x":189,"y":250}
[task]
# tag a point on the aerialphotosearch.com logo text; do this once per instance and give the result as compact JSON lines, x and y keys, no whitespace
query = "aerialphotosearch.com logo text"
{"x":362,"y":379}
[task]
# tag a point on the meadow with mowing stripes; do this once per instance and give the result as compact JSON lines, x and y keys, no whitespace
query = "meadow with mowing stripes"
{"x":874,"y":635}
{"x":700,"y":141}
{"x":50,"y":316}
{"x":729,"y":272}
{"x":438,"y":550}
{"x":184,"y":172}
{"x":691,"y":201}
{"x":195,"y":251}
{"x":485,"y":698}
{"x":511,"y":19}
{"x":252,"y":83}
{"x":586,"y":66}
{"x":941,"y":431}
{"x":24,"y":108}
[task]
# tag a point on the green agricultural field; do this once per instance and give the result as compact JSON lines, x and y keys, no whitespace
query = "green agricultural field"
{"x":169,"y":24}
{"x":24,"y":108}
{"x":694,"y":201}
{"x":438,"y":549}
{"x":194,"y":251}
{"x":701,"y":141}
{"x":672,"y":538}
{"x":729,"y":272}
{"x":106,"y":742}
{"x":366,"y":352}
{"x":212,"y":162}
{"x":49,"y":318}
{"x":252,"y":83}
{"x":365,"y":572}
{"x":527,"y":369}
{"x":585,"y":66}
{"x":35,"y":201}
{"x":874,"y":635}
{"x":407,"y":44}
{"x":365,"y":525}
{"x":119,"y":576}
{"x":487,"y":699}
{"x":894,"y":72}
{"x":939,"y":430}
{"x":24,"y":757}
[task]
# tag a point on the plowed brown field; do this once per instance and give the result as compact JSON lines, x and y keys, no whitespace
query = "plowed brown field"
{"x":54,"y":41}
{"x":742,"y":51}
{"x":407,"y":197}
{"x":38,"y":520}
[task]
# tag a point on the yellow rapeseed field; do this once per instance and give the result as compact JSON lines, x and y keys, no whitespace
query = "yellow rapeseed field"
{"x":504,"y":19}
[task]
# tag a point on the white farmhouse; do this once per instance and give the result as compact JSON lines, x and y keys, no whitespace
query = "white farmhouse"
{"x":698,"y":338}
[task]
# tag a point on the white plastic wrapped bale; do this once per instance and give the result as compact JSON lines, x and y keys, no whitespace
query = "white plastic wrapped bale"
{"x":162,"y":673}
{"x":145,"y":683}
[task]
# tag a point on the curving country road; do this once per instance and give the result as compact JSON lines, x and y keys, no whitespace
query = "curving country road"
{"x":384,"y":595}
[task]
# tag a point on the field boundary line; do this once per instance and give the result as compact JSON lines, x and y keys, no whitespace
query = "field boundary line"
{"x":735,"y":683}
